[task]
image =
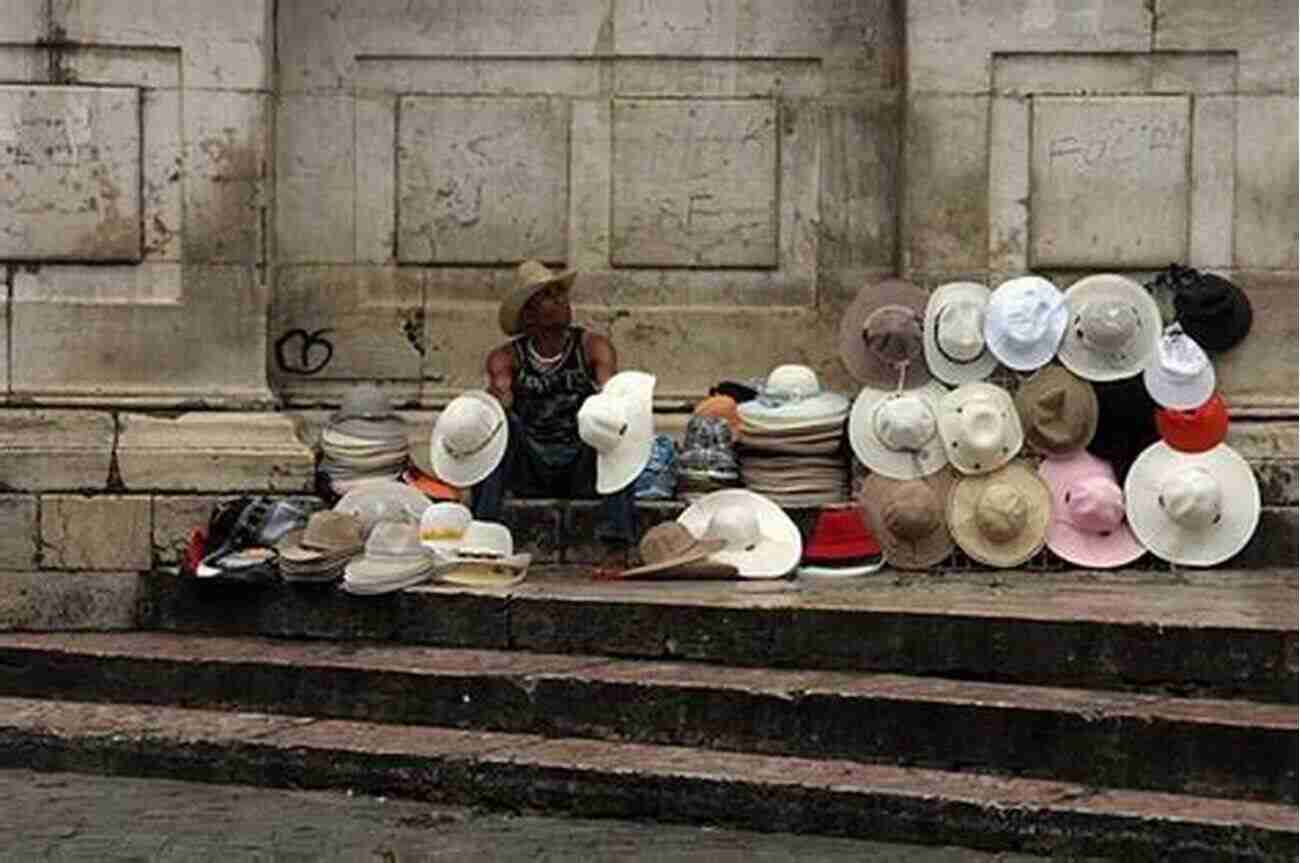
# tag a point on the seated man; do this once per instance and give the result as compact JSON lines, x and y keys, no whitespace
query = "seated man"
{"x":541,"y":377}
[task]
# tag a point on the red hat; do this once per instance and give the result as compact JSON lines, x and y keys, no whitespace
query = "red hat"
{"x":1195,"y":430}
{"x":840,"y":534}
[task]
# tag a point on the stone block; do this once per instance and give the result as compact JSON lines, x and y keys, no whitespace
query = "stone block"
{"x":577,"y":77}
{"x":859,"y":183}
{"x":107,"y":532}
{"x":535,"y":526}
{"x":228,"y":136}
{"x":55,"y":450}
{"x":1261,"y":372}
{"x":1199,"y":73}
{"x":164,"y":172}
{"x":1094,"y":163}
{"x":376,"y":182}
{"x":173,"y":519}
{"x":24,"y":20}
{"x":53,"y":601}
{"x":23,"y":63}
{"x":579,"y":538}
{"x":683,"y":76}
{"x":1266,"y":214}
{"x":18,"y":532}
{"x":214,"y":452}
{"x":1009,"y":184}
{"x":947,"y":195}
{"x":315,"y":178}
{"x":1213,"y":181}
{"x":1262,"y":32}
{"x":482,"y":180}
{"x":71,"y":158}
{"x":590,"y":185}
{"x":157,"y":68}
{"x":1273,"y":543}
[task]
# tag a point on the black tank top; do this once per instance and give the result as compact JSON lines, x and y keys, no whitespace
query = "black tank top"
{"x":546,"y":400}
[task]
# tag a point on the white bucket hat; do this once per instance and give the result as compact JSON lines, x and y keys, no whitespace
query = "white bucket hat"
{"x":760,"y":540}
{"x":980,"y":427}
{"x":1000,"y":519}
{"x":469,"y":439}
{"x":1025,"y":322}
{"x":1114,"y":327}
{"x":1195,"y":509}
{"x":1180,"y":374}
{"x":618,"y":423}
{"x":896,"y":434}
{"x":954,"y":333}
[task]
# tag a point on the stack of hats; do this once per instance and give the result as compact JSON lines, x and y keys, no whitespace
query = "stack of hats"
{"x":840,"y":546}
{"x":470,"y":553}
{"x":707,"y":461}
{"x":790,"y":442}
{"x":365,"y":440}
{"x":393,"y":559}
{"x":317,"y":553}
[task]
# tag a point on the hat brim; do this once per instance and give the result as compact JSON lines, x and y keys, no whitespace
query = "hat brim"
{"x":966,"y":533}
{"x":774,"y":556}
{"x":1092,"y":365}
{"x":473,"y":469}
{"x":1012,"y":354}
{"x":941,"y":365}
{"x":449,"y":544}
{"x":899,"y":552}
{"x":1072,"y":544}
{"x":619,"y":467}
{"x":873,"y":453}
{"x":861,"y":363}
{"x":1178,"y":392}
{"x":512,"y":306}
{"x":820,"y":571}
{"x":697,"y":553}
{"x":500,"y":572}
{"x":1027,"y":396}
{"x":950,"y":429}
{"x":1164,"y":537}
{"x":823,"y":409}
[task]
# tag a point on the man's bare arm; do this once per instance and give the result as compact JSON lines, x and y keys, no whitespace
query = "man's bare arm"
{"x":601,"y":356}
{"x":501,"y":375}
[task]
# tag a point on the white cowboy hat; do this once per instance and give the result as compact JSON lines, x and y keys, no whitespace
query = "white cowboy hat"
{"x":1114,"y":327}
{"x":1025,"y":322}
{"x":618,"y":423}
{"x":1000,"y":518}
{"x":484,"y":557}
{"x":954,"y":333}
{"x":1195,"y":509}
{"x":1180,"y":374}
{"x":760,"y":540}
{"x":980,"y":427}
{"x":469,"y":439}
{"x":896,"y":434}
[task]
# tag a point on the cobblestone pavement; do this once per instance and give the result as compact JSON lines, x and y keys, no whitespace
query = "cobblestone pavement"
{"x":72,"y":817}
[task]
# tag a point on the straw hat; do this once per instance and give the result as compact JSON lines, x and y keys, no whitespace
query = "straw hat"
{"x":1087,"y":526}
{"x":896,"y":433}
{"x":979,"y":427}
{"x":671,"y":546}
{"x":329,"y":535}
{"x":484,"y":557}
{"x":443,"y":526}
{"x":759,"y":539}
{"x":1195,"y":509}
{"x":530,"y":277}
{"x":1114,"y":327}
{"x":1025,"y":321}
{"x":1058,"y":411}
{"x":954,"y":333}
{"x":1180,"y":374}
{"x":618,"y":423}
{"x":1000,"y":518}
{"x":907,"y":518}
{"x":1194,"y":430}
{"x":469,"y":439}
{"x":882,"y":328}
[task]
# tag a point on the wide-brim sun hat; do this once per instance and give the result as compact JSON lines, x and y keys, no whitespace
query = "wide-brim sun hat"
{"x":1025,"y":322}
{"x":671,"y":545}
{"x":1114,"y":326}
{"x":895,"y":433}
{"x":1058,"y":411}
{"x":483,"y":557}
{"x":907,"y":517}
{"x":618,"y":423}
{"x":1088,"y":526}
{"x":393,"y":559}
{"x":1192,"y":509}
{"x":469,"y":439}
{"x":979,"y":427}
{"x":530,"y":277}
{"x":1179,"y":374}
{"x":899,"y":310}
{"x":955,"y":349}
{"x":1194,"y":430}
{"x":1000,"y":519}
{"x":759,"y":539}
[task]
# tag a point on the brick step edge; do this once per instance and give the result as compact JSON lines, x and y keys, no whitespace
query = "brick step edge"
{"x":1197,"y":746}
{"x":599,"y":779}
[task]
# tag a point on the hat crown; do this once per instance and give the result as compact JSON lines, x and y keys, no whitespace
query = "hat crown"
{"x":983,"y":426}
{"x":1108,"y":324}
{"x":1027,"y":312}
{"x":486,"y":538}
{"x":532,"y":272}
{"x":602,"y":421}
{"x":843,"y":529}
{"x":905,"y":423}
{"x":1001,"y":512}
{"x":1179,"y":356}
{"x":330,"y":530}
{"x":1094,"y":504}
{"x":364,"y":401}
{"x":666,"y":541}
{"x":959,"y":329}
{"x":736,"y":526}
{"x":1192,"y":498}
{"x":707,"y":432}
{"x":791,"y":383}
{"x":394,"y":539}
{"x":894,"y":334}
{"x":445,"y":521}
{"x":913,"y":512}
{"x":467,"y":424}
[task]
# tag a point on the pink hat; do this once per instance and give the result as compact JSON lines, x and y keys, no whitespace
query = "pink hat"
{"x":1087,"y":526}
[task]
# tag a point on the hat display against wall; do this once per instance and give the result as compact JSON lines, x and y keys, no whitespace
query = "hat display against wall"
{"x":1212,"y":310}
{"x":1000,"y":518}
{"x":1114,"y":327}
{"x":760,"y":540}
{"x":484,"y":557}
{"x":1025,"y":321}
{"x":954,"y":333}
{"x":896,"y":433}
{"x":1194,"y":430}
{"x":469,"y":439}
{"x":1058,"y":411}
{"x":1179,"y":375}
{"x":979,"y":427}
{"x":1126,"y":423}
{"x":883,"y":330}
{"x":1194,"y":509}
{"x":671,"y":546}
{"x":530,"y":277}
{"x":908,"y":519}
{"x":1087,"y":526}
{"x":618,"y":423}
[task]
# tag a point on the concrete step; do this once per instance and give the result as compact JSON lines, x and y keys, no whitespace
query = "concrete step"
{"x":1204,"y":634}
{"x":668,"y":783}
{"x":1200,"y":746}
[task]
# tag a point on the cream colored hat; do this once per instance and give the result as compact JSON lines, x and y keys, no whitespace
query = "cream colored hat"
{"x":759,"y":539}
{"x":1114,"y":327}
{"x":530,"y":277}
{"x":618,"y":423}
{"x":1195,"y":509}
{"x":954,"y":333}
{"x":896,"y":434}
{"x":484,"y":558}
{"x":1000,"y":518}
{"x":1025,"y":322}
{"x":443,"y":526}
{"x":908,"y":517}
{"x":1180,"y":374}
{"x":979,"y":427}
{"x":469,"y":439}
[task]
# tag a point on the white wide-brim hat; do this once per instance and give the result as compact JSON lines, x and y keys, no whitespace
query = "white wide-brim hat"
{"x":468,"y":465}
{"x":972,"y":299}
{"x":1180,"y":374}
{"x":1098,"y":363}
{"x":761,"y":541}
{"x":825,"y":407}
{"x":1195,"y":509}
{"x":980,"y":427}
{"x":871,"y":415}
{"x":1025,"y":322}
{"x":618,"y":423}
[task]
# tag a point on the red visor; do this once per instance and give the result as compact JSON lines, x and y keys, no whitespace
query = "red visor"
{"x":1195,"y":430}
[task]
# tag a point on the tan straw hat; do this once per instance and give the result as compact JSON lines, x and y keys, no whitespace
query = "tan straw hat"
{"x":1000,"y":518}
{"x":530,"y":277}
{"x":907,"y":518}
{"x":671,"y":546}
{"x":1058,"y":411}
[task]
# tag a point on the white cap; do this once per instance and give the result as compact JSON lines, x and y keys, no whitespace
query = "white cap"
{"x":1180,"y":374}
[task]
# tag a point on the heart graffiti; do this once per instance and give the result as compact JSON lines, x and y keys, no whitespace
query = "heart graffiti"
{"x":299,"y":352}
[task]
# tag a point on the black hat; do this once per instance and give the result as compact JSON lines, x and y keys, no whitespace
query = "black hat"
{"x":1126,"y":423}
{"x":735,"y":390}
{"x":1212,"y":310}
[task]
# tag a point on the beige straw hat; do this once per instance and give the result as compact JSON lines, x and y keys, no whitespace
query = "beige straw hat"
{"x":1001,"y":518}
{"x":530,"y":277}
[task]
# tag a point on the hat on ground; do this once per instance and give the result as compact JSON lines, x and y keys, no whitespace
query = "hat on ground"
{"x":1114,"y":326}
{"x":1194,"y":430}
{"x":1025,"y":321}
{"x":484,"y":557}
{"x":377,"y":500}
{"x":670,"y":545}
{"x":1088,"y":527}
{"x":1179,"y":375}
{"x":469,"y":439}
{"x":530,"y":277}
{"x":394,"y":559}
{"x":896,"y":433}
{"x":760,"y":540}
{"x":979,"y":427}
{"x":618,"y":423}
{"x":1000,"y":518}
{"x":1212,"y":310}
{"x":907,"y":518}
{"x":1195,"y":509}
{"x":954,"y":333}
{"x":1126,"y":423}
{"x":1058,"y":411}
{"x":883,"y":330}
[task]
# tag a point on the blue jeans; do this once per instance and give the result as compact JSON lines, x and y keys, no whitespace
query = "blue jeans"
{"x":523,"y":475}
